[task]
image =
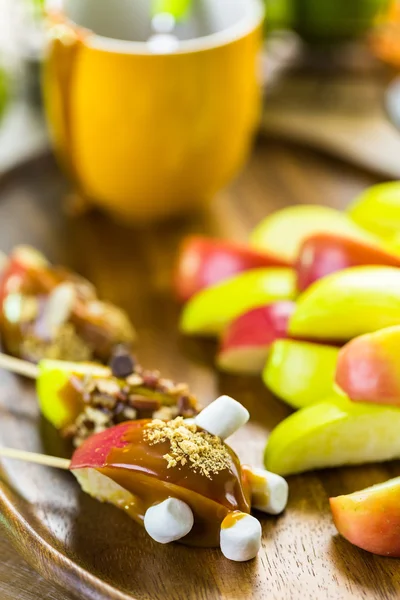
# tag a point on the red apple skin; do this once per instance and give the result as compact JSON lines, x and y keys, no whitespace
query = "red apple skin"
{"x":370,"y":519}
{"x":94,"y":452}
{"x":325,"y":253}
{"x":203,"y":262}
{"x":368,"y":367}
{"x":246,"y":342}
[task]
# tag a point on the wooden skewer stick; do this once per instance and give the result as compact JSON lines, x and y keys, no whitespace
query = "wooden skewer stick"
{"x":33,"y":457}
{"x":16,"y":365}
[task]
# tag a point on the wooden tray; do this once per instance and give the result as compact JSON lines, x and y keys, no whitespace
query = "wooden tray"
{"x":95,"y":551}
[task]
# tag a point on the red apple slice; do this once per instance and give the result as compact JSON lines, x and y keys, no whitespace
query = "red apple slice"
{"x":325,"y":253}
{"x":202,"y":262}
{"x":246,"y":342}
{"x":117,"y":466}
{"x":370,"y":519}
{"x":368,"y":367}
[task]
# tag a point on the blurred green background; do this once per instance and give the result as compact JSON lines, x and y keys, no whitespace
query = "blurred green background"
{"x":324,"y":20}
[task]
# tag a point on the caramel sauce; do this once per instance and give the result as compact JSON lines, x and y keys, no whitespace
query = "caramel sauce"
{"x":140,"y":468}
{"x":231,"y":519}
{"x":256,"y":482}
{"x":71,"y":398}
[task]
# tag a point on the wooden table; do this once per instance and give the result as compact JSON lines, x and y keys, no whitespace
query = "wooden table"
{"x":277,"y":175}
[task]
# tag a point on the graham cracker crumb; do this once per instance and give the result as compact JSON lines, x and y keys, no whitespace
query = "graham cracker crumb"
{"x":205,"y":453}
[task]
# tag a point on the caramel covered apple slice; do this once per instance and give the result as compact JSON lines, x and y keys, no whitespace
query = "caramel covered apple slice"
{"x":178,"y":480}
{"x":51,"y":312}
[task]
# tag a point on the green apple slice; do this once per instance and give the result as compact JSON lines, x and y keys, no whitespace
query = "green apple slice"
{"x":348,"y":304}
{"x":284,"y":231}
{"x":333,"y":433}
{"x":300,"y":373}
{"x":212,"y":309}
{"x":58,"y":401}
{"x":378,"y":209}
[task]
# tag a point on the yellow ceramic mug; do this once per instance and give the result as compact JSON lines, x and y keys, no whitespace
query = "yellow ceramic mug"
{"x":145,"y":135}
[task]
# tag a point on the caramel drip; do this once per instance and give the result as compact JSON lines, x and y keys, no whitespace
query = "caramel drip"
{"x":231,"y":519}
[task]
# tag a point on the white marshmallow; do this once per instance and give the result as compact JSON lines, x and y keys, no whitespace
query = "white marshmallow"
{"x":168,"y":521}
{"x":269,"y":492}
{"x":222,"y":417}
{"x":241,"y":540}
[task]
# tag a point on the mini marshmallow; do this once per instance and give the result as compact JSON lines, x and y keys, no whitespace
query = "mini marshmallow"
{"x":222,"y":417}
{"x":168,"y":521}
{"x":269,"y":492}
{"x":240,"y":537}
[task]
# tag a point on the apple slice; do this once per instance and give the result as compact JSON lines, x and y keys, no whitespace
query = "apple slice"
{"x":368,"y":367}
{"x":348,"y":304}
{"x":204,"y":261}
{"x":246,"y":341}
{"x":325,"y":253}
{"x":378,"y":209}
{"x":370,"y":519}
{"x":333,"y":433}
{"x":141,"y":469}
{"x":284,"y":231}
{"x":59,"y":402}
{"x":300,"y":373}
{"x":210,"y":311}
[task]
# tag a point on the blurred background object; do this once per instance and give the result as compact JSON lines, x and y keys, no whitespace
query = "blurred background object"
{"x":385,"y":40}
{"x":324,"y":21}
{"x":171,"y":128}
{"x":325,"y":76}
{"x":326,"y":88}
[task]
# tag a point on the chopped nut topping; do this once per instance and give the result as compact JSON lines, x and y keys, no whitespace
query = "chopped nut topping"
{"x":107,"y":386}
{"x":205,"y":453}
{"x":141,"y":395}
{"x":134,"y":380}
{"x":166,"y":413}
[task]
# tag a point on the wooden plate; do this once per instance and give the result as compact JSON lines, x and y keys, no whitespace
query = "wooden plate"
{"x":95,"y":551}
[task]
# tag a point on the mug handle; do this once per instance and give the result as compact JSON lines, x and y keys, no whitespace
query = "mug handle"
{"x":177,"y":8}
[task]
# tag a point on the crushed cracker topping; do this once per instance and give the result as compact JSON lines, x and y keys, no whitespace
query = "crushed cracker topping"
{"x":205,"y":453}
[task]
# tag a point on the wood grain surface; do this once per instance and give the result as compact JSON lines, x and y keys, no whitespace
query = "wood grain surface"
{"x":93,"y":550}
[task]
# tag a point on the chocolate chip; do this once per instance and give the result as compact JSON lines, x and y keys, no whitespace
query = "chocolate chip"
{"x":122,"y":364}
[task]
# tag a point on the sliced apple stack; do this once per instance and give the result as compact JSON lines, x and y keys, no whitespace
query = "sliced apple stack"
{"x":210,"y":311}
{"x":324,"y":253}
{"x":300,"y":373}
{"x":284,"y":232}
{"x":348,"y":304}
{"x":203,"y":262}
{"x":247,"y":340}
